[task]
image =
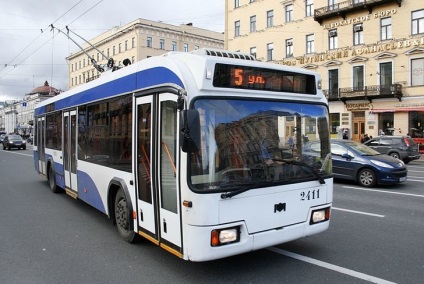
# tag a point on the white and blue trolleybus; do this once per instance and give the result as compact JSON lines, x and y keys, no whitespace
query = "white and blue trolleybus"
{"x":204,"y":154}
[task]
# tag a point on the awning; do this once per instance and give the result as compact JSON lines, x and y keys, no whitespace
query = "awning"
{"x":400,"y":109}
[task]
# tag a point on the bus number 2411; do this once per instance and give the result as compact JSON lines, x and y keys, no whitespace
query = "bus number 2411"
{"x":309,"y":195}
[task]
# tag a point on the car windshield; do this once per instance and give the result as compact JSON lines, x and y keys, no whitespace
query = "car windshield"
{"x":361,"y":149}
{"x":15,"y":137}
{"x":258,"y":143}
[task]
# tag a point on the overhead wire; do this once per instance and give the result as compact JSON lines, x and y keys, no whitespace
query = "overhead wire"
{"x":36,"y":38}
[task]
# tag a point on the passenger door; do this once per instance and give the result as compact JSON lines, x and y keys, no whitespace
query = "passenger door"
{"x":69,"y":151}
{"x":41,"y":144}
{"x":156,"y":150}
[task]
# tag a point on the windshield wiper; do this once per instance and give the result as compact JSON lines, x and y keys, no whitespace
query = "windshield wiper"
{"x":244,"y":189}
{"x":303,"y":165}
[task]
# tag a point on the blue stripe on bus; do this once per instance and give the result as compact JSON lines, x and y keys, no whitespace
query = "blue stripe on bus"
{"x":88,"y":192}
{"x":143,"y":79}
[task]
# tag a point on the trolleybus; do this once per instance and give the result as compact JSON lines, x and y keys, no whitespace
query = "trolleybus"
{"x":201,"y":153}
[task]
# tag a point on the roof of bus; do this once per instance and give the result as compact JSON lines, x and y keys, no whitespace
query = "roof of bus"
{"x":177,"y":68}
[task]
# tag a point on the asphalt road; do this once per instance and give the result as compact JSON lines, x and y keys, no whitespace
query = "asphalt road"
{"x":375,"y":236}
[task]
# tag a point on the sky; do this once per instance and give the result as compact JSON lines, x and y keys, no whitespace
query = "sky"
{"x":31,"y":53}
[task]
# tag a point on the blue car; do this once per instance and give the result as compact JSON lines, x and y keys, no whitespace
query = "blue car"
{"x":354,"y":161}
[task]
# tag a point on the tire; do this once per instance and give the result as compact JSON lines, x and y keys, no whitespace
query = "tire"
{"x":52,"y":182}
{"x":367,"y":178}
{"x":4,"y":147}
{"x":123,"y":218}
{"x":394,"y":155}
{"x":8,"y":147}
{"x":24,"y":148}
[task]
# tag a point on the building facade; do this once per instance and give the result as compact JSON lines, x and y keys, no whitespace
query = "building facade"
{"x":18,"y":116}
{"x":370,"y":54}
{"x":138,"y":40}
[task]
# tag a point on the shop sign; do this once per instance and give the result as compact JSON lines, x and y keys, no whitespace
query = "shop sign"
{"x":358,"y":106}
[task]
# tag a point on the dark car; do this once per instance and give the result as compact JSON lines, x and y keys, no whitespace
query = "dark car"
{"x":355,"y":161}
{"x":400,"y":147}
{"x":13,"y":141}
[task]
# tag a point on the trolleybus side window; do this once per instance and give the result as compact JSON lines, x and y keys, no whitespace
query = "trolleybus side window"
{"x":105,"y":131}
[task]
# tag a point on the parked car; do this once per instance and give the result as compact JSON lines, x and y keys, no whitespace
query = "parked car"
{"x":13,"y":141}
{"x":355,"y":161}
{"x":400,"y":147}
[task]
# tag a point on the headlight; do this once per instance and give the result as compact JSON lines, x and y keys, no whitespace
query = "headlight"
{"x":225,"y":236}
{"x":320,"y":215}
{"x":381,"y":164}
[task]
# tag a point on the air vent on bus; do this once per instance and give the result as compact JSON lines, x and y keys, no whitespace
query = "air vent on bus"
{"x":223,"y":53}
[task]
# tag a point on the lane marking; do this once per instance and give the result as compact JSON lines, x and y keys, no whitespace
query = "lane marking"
{"x":383,"y":191}
{"x":358,"y":212}
{"x":19,"y":154}
{"x":330,"y":266}
{"x":416,"y":179}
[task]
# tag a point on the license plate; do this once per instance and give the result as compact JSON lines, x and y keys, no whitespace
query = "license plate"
{"x":402,"y":179}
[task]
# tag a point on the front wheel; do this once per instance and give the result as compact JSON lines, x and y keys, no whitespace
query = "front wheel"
{"x":122,"y":218}
{"x":367,"y":178}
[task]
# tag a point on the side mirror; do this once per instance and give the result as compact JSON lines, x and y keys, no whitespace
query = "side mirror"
{"x":189,"y":131}
{"x":347,"y":156}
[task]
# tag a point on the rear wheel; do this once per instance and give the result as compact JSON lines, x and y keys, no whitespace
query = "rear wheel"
{"x":367,"y":178}
{"x":122,"y":218}
{"x":394,"y":155}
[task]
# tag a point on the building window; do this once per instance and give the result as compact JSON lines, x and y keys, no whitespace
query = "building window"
{"x":309,"y":9}
{"x":310,"y":44}
{"x":332,"y":39}
{"x":386,"y":123}
{"x":126,"y":45}
{"x":113,"y":50}
{"x":332,"y":5}
{"x":251,"y":1}
{"x":196,"y":47}
{"x":269,"y":19}
{"x":133,"y":42}
{"x":236,"y":3}
{"x":149,"y":41}
{"x":418,"y":22}
{"x":417,"y":72}
{"x":333,"y":83}
{"x":174,"y":46}
{"x":334,"y":122}
{"x":253,"y":24}
{"x":386,"y":74}
{"x":120,"y":48}
{"x":185,"y":47}
{"x":416,"y":124}
{"x":358,"y":34}
{"x":289,"y":47}
{"x":237,"y":28}
{"x":289,"y":13}
{"x":358,"y":78}
{"x":253,"y":51}
{"x":162,"y":43}
{"x":386,"y":28}
{"x":269,"y":51}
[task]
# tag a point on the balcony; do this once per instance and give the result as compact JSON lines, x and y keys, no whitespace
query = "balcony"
{"x":345,"y":7}
{"x":367,"y":93}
